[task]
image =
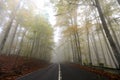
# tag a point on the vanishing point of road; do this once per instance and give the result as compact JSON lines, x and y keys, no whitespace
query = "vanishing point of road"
{"x":61,"y":72}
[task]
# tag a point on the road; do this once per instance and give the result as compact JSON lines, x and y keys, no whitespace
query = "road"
{"x":71,"y":73}
{"x":61,"y":72}
{"x":49,"y":73}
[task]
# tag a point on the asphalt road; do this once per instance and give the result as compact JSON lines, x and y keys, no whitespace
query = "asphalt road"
{"x":49,"y":73}
{"x":62,"y":72}
{"x":71,"y":73}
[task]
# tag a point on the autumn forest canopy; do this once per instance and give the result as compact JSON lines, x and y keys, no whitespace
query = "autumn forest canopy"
{"x":88,"y":31}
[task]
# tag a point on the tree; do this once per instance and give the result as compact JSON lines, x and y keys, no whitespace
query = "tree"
{"x":12,"y":17}
{"x":111,"y":41}
{"x":67,"y":17}
{"x":12,"y":38}
{"x":118,"y":1}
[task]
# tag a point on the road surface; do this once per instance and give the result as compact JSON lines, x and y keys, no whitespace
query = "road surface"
{"x":61,"y":72}
{"x":71,"y":73}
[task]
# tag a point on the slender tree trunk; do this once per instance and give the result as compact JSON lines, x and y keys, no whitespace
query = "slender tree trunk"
{"x":21,"y":42}
{"x":6,"y":35}
{"x":64,"y":52}
{"x":109,"y":37}
{"x":39,"y":52}
{"x":109,"y":56}
{"x":17,"y":41}
{"x":42,"y":52}
{"x":27,"y":47}
{"x":118,"y":1}
{"x":89,"y":52}
{"x":103,"y":53}
{"x":33,"y":44}
{"x":95,"y":48}
{"x":68,"y":49}
{"x":19,"y":50}
{"x":76,"y":35}
{"x":107,"y":44}
{"x":73,"y":47}
{"x":71,"y":41}
{"x":114,"y":34}
{"x":79,"y":48}
{"x":76,"y":47}
{"x":12,"y":17}
{"x":13,"y":36}
{"x":38,"y":45}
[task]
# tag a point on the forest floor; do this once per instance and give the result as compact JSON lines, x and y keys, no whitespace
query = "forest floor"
{"x":12,"y":67}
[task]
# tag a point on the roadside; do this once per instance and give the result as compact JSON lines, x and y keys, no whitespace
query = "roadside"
{"x":10,"y":68}
{"x":101,"y":72}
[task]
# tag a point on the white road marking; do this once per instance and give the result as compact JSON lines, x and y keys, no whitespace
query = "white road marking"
{"x":59,"y":73}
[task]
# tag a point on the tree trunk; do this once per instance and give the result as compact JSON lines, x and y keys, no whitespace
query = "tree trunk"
{"x":109,"y":51}
{"x":75,"y":48}
{"x":19,"y":49}
{"x":89,"y":52}
{"x":68,"y":49}
{"x":6,"y":35}
{"x":108,"y":47}
{"x":12,"y":17}
{"x":73,"y":35}
{"x":76,"y":35}
{"x":13,"y":36}
{"x":27,"y":47}
{"x":109,"y":37}
{"x":109,"y":56}
{"x":114,"y":34}
{"x":79,"y":48}
{"x":33,"y":44}
{"x":71,"y":41}
{"x":21,"y":42}
{"x":103,"y":53}
{"x":118,"y":1}
{"x":95,"y":48}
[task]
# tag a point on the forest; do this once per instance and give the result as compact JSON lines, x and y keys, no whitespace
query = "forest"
{"x":90,"y":31}
{"x":89,"y":34}
{"x":23,"y":35}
